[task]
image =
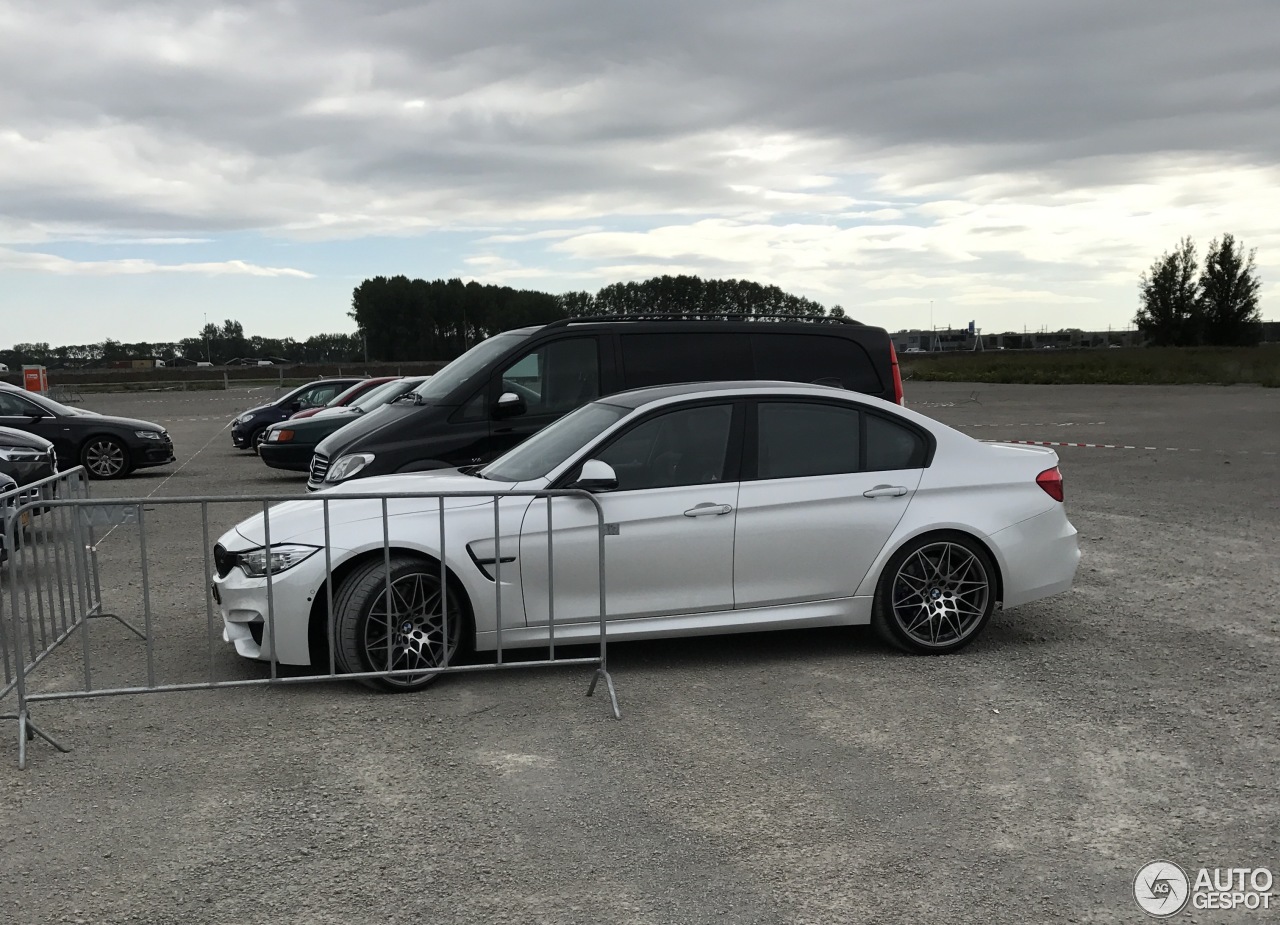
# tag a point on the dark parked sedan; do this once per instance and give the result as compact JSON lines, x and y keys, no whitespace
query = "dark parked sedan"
{"x":108,"y":447}
{"x":289,"y":444}
{"x":248,"y":429}
{"x":24,"y":457}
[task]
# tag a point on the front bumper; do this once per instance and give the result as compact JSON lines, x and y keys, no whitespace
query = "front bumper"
{"x":240,"y":437}
{"x":295,"y":457}
{"x":151,"y":453}
{"x":245,"y":608}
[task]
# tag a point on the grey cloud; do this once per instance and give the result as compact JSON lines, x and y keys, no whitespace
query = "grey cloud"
{"x":1064,"y":94}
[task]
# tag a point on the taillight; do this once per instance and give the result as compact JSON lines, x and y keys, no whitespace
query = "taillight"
{"x":1051,"y":481}
{"x":897,"y":375}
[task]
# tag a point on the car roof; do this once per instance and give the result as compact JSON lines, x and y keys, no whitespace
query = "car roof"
{"x":635,"y":398}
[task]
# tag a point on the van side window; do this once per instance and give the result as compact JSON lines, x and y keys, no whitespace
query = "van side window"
{"x":829,"y":360}
{"x":557,"y":377}
{"x":663,"y":359}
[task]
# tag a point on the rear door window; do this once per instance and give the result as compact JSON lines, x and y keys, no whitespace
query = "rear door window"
{"x":827,"y":360}
{"x":663,"y":359}
{"x":891,"y":445}
{"x":799,"y":439}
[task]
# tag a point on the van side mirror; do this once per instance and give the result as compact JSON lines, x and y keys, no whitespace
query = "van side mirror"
{"x":509,"y":405}
{"x":596,"y":475}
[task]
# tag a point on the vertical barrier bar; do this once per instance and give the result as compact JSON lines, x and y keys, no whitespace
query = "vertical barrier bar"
{"x":497,"y":574}
{"x":57,"y":621}
{"x":551,"y":585}
{"x":32,"y":562}
{"x":386,"y":559}
{"x":57,"y":516}
{"x":604,"y":654}
{"x":146,"y":597}
{"x":330,"y":643}
{"x":18,"y":563}
{"x":82,"y":491}
{"x":271,"y":596}
{"x":82,"y":577}
{"x":444,"y":590}
{"x":208,"y":588}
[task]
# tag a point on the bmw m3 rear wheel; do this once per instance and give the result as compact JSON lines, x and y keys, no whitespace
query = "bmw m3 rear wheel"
{"x":936,"y":594}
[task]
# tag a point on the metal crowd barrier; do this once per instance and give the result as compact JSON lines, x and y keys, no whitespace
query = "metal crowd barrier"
{"x":51,"y":586}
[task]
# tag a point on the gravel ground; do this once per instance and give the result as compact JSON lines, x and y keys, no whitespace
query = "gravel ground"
{"x":800,"y":777}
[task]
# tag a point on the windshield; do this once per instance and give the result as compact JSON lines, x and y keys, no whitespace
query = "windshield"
{"x":554,"y":444}
{"x":377,"y":395}
{"x":48,"y":404}
{"x":474,"y":364}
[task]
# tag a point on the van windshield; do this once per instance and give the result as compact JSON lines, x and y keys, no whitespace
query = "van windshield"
{"x":473,"y":365}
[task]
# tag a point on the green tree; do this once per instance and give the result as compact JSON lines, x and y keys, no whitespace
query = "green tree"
{"x":1169,"y":294}
{"x":1228,"y":298}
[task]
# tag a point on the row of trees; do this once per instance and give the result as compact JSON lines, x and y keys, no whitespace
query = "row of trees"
{"x":1219,"y":306}
{"x":407,"y":319}
{"x":214,"y":344}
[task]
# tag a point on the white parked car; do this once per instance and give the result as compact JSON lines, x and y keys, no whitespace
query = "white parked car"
{"x":730,"y":507}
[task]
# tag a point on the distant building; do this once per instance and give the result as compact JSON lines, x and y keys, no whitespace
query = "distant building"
{"x":917,"y":341}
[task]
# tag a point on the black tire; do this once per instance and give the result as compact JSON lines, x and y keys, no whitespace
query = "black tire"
{"x":935,"y":595}
{"x":418,"y":640}
{"x":105,"y":457}
{"x":256,"y":440}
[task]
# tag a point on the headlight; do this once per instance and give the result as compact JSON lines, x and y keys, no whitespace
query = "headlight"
{"x":149,"y":434}
{"x":279,"y":436}
{"x":20,"y":453}
{"x":347,"y":466}
{"x":244,"y":418}
{"x":283,"y":557}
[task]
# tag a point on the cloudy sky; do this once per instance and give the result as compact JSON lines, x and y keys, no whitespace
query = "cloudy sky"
{"x":1016,"y":162}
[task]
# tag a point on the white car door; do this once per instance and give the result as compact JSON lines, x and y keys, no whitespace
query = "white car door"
{"x":813,"y":519}
{"x":670,"y":524}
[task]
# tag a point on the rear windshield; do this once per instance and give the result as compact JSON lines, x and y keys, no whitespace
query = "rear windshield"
{"x":473,"y":366}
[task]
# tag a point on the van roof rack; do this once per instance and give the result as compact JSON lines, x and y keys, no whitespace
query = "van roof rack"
{"x":706,"y":316}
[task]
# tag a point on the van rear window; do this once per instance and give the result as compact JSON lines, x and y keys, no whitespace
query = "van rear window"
{"x":827,"y":360}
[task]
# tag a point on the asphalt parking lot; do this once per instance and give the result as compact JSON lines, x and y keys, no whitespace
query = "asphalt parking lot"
{"x":800,"y":777}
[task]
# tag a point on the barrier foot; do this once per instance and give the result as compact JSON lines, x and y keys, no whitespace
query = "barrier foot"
{"x":27,"y":731}
{"x":613,"y":694}
{"x":122,"y":621}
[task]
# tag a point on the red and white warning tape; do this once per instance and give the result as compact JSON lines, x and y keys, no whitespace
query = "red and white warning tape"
{"x":1124,"y":446}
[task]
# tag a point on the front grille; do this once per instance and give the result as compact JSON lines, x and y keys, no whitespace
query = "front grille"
{"x":223,"y":561}
{"x":319,"y":468}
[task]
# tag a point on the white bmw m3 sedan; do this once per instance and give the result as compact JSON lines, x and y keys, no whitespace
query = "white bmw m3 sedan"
{"x":722,"y":507}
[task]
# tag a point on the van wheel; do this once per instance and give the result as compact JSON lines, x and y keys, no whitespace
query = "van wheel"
{"x":407,"y":635}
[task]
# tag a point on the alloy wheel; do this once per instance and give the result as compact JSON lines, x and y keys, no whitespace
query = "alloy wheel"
{"x":413,"y":632}
{"x":104,"y":458}
{"x":940,"y":594}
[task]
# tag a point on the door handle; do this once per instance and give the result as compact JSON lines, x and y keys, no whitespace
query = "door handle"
{"x":702,"y":510}
{"x":885,"y":491}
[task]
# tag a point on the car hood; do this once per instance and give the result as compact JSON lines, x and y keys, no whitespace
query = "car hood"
{"x":10,"y":436}
{"x":387,"y":415}
{"x":303,"y":520}
{"x":129,"y":423}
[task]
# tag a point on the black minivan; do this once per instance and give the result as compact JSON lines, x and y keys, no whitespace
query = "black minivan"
{"x":512,"y":385}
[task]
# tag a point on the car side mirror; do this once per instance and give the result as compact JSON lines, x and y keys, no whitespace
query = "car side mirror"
{"x":295,"y":405}
{"x":596,"y":475}
{"x":509,"y":405}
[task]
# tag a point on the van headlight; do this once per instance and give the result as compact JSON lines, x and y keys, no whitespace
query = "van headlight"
{"x":283,"y":557}
{"x":348,"y":466}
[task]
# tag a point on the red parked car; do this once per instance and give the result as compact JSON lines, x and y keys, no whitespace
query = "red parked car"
{"x":342,"y":399}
